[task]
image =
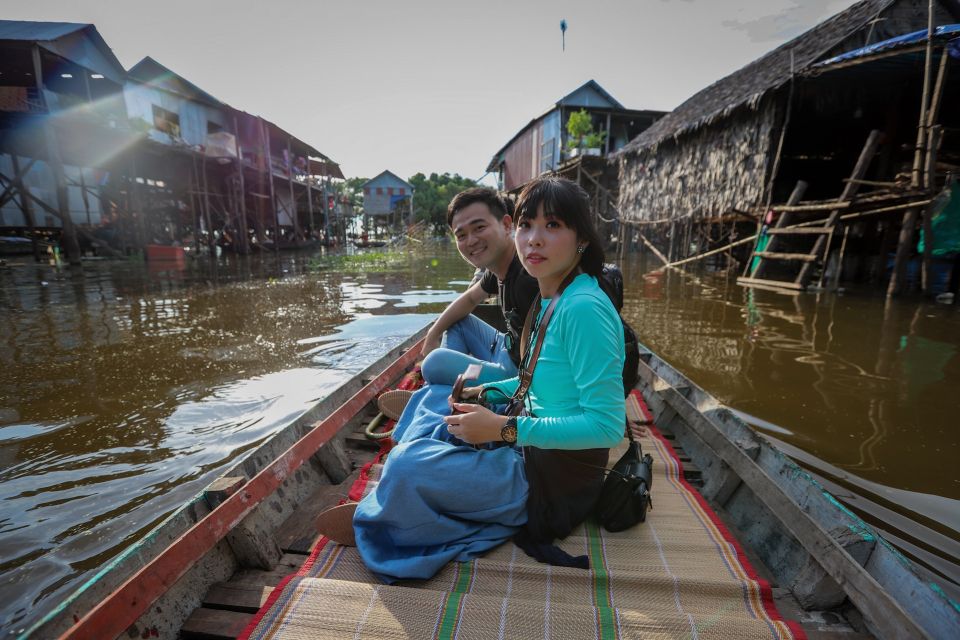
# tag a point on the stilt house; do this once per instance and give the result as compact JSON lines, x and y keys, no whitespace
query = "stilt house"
{"x":795,"y":123}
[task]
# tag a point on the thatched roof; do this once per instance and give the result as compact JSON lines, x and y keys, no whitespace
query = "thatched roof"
{"x":747,"y":86}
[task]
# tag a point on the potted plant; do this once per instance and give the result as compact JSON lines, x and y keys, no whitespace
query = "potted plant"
{"x":583,"y":139}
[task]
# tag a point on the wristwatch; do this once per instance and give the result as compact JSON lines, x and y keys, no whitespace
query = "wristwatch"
{"x":508,"y":433}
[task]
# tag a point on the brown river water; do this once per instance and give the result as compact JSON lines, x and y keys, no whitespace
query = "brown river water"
{"x":126,"y":388}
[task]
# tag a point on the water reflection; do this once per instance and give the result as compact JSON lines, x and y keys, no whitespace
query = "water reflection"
{"x":862,"y":388}
{"x":124,"y":389}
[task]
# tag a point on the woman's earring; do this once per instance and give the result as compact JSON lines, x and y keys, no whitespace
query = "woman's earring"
{"x":581,"y":248}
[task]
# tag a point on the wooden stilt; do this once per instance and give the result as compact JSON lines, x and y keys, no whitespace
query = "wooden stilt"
{"x":244,"y":229}
{"x":294,"y":212}
{"x":835,"y":277}
{"x":70,"y":242}
{"x":268,"y":159}
{"x":136,"y":205}
{"x":903,"y":247}
{"x":26,"y":206}
{"x":933,"y":145}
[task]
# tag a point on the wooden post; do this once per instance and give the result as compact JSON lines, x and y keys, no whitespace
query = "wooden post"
{"x":83,"y":196}
{"x":313,"y":222}
{"x":26,"y":205}
{"x":924,"y":104}
{"x":294,"y":213}
{"x":933,"y":144}
{"x":606,"y":142}
{"x":71,"y":244}
{"x":851,"y":188}
{"x":136,"y":206}
{"x":195,"y":209}
{"x":268,"y":158}
{"x":244,"y":231}
{"x":206,"y":198}
{"x":671,"y":251}
{"x":903,"y":246}
{"x":835,"y":278}
{"x":251,"y":540}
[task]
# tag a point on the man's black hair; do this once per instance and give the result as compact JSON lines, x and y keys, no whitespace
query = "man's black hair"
{"x":498,"y":205}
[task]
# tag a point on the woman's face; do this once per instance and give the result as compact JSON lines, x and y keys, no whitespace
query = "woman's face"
{"x":547,"y":248}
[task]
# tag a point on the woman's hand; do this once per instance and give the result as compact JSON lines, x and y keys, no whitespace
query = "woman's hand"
{"x":467,"y":393}
{"x":475,"y":424}
{"x":638,"y":429}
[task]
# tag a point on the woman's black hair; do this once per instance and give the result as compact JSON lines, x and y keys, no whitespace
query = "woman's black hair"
{"x":566,"y":201}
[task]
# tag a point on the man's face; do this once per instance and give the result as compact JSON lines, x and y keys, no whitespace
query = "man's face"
{"x":481,"y":238}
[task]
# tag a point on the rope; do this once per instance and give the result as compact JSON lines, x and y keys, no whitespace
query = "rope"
{"x":377,"y":435}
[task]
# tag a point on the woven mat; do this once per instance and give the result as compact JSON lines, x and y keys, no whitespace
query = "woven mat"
{"x":678,"y":575}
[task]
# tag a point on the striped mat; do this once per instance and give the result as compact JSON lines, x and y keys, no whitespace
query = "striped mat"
{"x":678,"y":575}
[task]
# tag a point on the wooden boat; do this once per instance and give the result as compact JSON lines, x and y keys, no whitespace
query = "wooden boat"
{"x":209,"y":566}
{"x":162,"y":252}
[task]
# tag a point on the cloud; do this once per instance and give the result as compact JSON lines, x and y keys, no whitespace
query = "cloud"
{"x":788,"y":22}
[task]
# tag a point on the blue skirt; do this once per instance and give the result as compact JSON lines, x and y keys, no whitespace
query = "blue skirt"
{"x":438,"y":499}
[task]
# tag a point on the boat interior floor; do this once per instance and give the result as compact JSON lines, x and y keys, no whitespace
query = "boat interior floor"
{"x":229,"y":607}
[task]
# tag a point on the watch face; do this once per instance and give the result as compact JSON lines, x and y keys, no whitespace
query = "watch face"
{"x":509,"y":433}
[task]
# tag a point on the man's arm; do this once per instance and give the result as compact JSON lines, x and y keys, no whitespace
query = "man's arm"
{"x":455,"y":312}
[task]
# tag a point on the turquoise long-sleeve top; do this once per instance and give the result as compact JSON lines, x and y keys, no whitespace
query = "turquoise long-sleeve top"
{"x":576,"y":397}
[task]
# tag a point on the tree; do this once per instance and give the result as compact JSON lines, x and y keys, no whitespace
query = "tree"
{"x":432,"y":195}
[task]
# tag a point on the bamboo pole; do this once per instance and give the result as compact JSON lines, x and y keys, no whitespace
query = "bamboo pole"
{"x":916,"y":179}
{"x":798,"y":190}
{"x":933,"y":145}
{"x":707,"y":254}
{"x":835,"y":278}
{"x":826,"y":260}
{"x":652,"y":248}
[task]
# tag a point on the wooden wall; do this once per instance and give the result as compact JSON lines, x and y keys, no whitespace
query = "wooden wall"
{"x":710,"y":172}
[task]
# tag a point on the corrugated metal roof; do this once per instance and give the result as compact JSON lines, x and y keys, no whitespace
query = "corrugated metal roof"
{"x":150,"y":71}
{"x":78,"y":43}
{"x":25,"y":30}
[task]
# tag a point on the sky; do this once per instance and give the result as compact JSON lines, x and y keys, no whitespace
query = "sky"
{"x":438,"y":85}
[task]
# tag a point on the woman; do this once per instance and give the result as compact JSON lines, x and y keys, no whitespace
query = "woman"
{"x":439,"y":499}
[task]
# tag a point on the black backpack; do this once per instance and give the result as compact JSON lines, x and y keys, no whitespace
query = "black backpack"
{"x":611,"y":281}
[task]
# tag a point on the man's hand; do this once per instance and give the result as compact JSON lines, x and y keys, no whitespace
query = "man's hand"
{"x":430,"y":342}
{"x":475,"y":424}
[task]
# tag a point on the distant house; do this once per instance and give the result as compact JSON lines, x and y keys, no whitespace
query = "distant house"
{"x":173,"y":109}
{"x":61,"y":121}
{"x":381,"y":194}
{"x":541,"y":145}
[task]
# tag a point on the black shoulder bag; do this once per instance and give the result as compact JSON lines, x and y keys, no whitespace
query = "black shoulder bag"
{"x":625,"y":496}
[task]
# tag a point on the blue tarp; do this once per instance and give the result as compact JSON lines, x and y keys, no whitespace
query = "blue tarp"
{"x":942,"y":32}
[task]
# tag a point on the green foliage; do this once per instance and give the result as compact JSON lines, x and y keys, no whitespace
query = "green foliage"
{"x":361,"y":262}
{"x":579,"y":124}
{"x":352,"y":188}
{"x":580,"y":130}
{"x":433,"y":194}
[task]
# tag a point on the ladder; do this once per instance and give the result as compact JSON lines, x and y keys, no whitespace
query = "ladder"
{"x":823,"y":233}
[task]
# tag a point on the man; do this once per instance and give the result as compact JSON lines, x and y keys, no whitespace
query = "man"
{"x":482,"y":227}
